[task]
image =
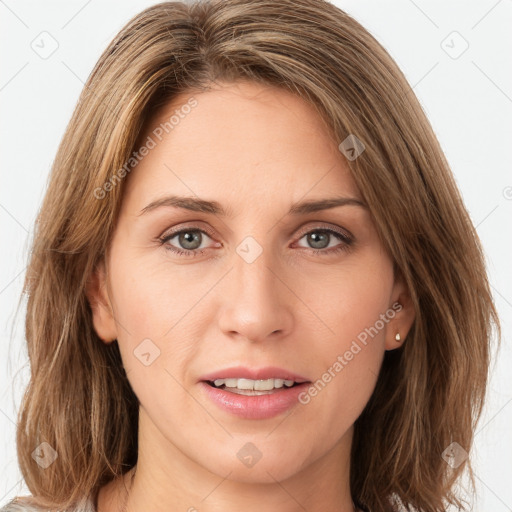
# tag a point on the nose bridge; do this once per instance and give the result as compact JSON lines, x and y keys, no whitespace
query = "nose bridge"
{"x":255,"y":306}
{"x":252,"y":269}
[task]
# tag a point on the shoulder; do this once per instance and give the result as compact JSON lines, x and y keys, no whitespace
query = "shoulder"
{"x":17,"y":505}
{"x":26,"y":504}
{"x":20,"y":505}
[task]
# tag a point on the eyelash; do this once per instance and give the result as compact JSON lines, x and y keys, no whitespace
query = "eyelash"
{"x":345,"y":238}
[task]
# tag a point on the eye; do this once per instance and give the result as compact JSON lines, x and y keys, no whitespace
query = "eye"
{"x":323,"y":240}
{"x":189,"y":241}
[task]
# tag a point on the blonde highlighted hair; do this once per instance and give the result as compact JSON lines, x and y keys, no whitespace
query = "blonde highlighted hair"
{"x":429,"y":393}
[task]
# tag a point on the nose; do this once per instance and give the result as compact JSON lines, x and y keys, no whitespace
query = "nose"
{"x":257,"y":304}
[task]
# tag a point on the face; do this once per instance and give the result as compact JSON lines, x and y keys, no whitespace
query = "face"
{"x":253,"y":286}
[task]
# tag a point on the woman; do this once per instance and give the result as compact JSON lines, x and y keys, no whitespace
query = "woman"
{"x":254,"y":283}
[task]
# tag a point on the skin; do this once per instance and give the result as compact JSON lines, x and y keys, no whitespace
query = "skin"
{"x":255,"y":150}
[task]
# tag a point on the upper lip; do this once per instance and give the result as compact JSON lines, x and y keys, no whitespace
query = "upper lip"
{"x":268,"y":372}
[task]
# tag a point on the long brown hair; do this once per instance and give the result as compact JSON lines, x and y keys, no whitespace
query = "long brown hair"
{"x":429,"y":393}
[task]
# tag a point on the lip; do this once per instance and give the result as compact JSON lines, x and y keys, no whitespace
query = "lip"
{"x":255,"y":406}
{"x":242,"y":372}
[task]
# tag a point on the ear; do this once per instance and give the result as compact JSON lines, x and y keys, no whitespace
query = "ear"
{"x":404,"y":316}
{"x":102,"y":312}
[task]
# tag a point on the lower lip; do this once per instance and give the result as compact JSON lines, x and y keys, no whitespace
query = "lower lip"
{"x":256,"y":407}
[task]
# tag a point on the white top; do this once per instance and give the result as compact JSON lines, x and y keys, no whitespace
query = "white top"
{"x":17,"y":505}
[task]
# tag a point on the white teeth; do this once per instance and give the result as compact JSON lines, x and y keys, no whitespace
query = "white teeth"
{"x":264,"y":385}
{"x":245,"y":384}
{"x":258,"y":385}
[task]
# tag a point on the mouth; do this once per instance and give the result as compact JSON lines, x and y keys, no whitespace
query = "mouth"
{"x":253,"y":393}
{"x":251,"y":387}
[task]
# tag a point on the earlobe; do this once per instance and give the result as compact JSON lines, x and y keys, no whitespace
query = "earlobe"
{"x":401,"y":324}
{"x":97,"y":296}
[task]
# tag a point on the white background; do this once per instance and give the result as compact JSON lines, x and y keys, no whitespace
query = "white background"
{"x":467,"y":99}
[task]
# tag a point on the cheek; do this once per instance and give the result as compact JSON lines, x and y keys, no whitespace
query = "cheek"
{"x":143,"y":314}
{"x":350,"y":297}
{"x":155,"y":309}
{"x":151,"y":298}
{"x":355,"y":306}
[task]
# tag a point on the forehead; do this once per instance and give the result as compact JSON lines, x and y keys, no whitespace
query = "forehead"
{"x":241,"y":142}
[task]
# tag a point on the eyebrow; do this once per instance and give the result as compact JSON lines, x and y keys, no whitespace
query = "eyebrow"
{"x":213,"y":207}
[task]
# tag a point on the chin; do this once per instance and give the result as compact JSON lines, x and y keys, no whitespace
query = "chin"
{"x":266,"y":469}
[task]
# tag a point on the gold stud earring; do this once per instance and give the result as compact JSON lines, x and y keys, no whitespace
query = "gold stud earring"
{"x":397,"y":336}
